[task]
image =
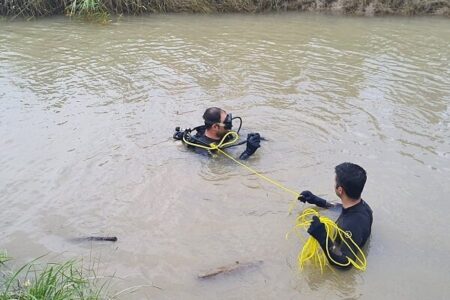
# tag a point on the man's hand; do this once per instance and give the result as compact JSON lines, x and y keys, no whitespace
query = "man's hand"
{"x":317,"y":230}
{"x":253,"y":143}
{"x":307,"y":196}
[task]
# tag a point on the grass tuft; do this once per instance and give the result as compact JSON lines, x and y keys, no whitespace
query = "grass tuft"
{"x":89,"y":10}
{"x":56,"y":281}
{"x":3,"y":257}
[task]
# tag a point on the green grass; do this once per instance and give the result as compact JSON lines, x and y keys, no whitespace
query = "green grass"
{"x":89,"y":10}
{"x":100,"y":10}
{"x":55,"y":281}
{"x":3,"y":257}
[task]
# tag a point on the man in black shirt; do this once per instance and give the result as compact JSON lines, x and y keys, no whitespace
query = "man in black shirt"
{"x":356,"y":216}
{"x":217,"y":124}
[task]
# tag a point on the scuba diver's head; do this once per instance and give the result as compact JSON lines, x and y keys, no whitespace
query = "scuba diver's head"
{"x":217,"y":122}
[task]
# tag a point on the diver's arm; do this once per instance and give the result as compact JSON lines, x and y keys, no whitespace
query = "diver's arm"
{"x":244,"y":156}
{"x":307,"y":196}
{"x":253,"y":143}
{"x":338,"y":255}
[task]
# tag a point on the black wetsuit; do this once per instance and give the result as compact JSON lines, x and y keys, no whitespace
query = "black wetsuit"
{"x":205,"y":141}
{"x":202,"y":139}
{"x":356,"y":219}
{"x":252,"y":142}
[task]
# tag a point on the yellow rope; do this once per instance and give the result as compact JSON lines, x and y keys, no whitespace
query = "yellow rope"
{"x":276,"y":183}
{"x":221,"y":145}
{"x":213,"y":146}
{"x":312,"y":250}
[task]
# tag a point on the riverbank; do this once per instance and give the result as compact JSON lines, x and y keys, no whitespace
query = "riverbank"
{"x":104,"y":8}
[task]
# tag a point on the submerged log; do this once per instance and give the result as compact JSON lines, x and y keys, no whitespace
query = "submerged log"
{"x":229,"y":268}
{"x":96,"y":238}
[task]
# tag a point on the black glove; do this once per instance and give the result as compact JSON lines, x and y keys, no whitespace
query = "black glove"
{"x":307,"y":196}
{"x":317,"y":230}
{"x":253,"y":143}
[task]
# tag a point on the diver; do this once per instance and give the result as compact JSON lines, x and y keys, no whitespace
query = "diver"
{"x":217,"y":130}
{"x":355,"y":218}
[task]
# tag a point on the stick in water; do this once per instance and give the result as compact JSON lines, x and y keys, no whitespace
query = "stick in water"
{"x":229,"y":268}
{"x":96,"y":239}
{"x":102,"y":238}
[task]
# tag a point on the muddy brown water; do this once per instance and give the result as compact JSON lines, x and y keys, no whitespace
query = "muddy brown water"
{"x":87,"y":113}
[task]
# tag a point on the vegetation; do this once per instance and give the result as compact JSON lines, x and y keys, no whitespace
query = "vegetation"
{"x":3,"y":257}
{"x":56,"y":281}
{"x":101,"y":9}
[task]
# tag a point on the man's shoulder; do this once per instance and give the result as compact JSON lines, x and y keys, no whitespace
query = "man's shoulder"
{"x":359,"y":213}
{"x":365,"y":207}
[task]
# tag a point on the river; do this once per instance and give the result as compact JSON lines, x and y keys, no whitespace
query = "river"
{"x":87,"y":113}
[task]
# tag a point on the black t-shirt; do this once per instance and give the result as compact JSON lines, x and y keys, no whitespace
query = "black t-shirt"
{"x":358,"y":221}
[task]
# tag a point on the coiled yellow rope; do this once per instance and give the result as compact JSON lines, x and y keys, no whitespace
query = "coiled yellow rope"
{"x":312,"y":251}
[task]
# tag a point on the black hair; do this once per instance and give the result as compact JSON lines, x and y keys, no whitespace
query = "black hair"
{"x":212,"y":116}
{"x":351,"y":178}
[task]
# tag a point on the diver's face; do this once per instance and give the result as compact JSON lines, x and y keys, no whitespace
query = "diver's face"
{"x":221,"y":131}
